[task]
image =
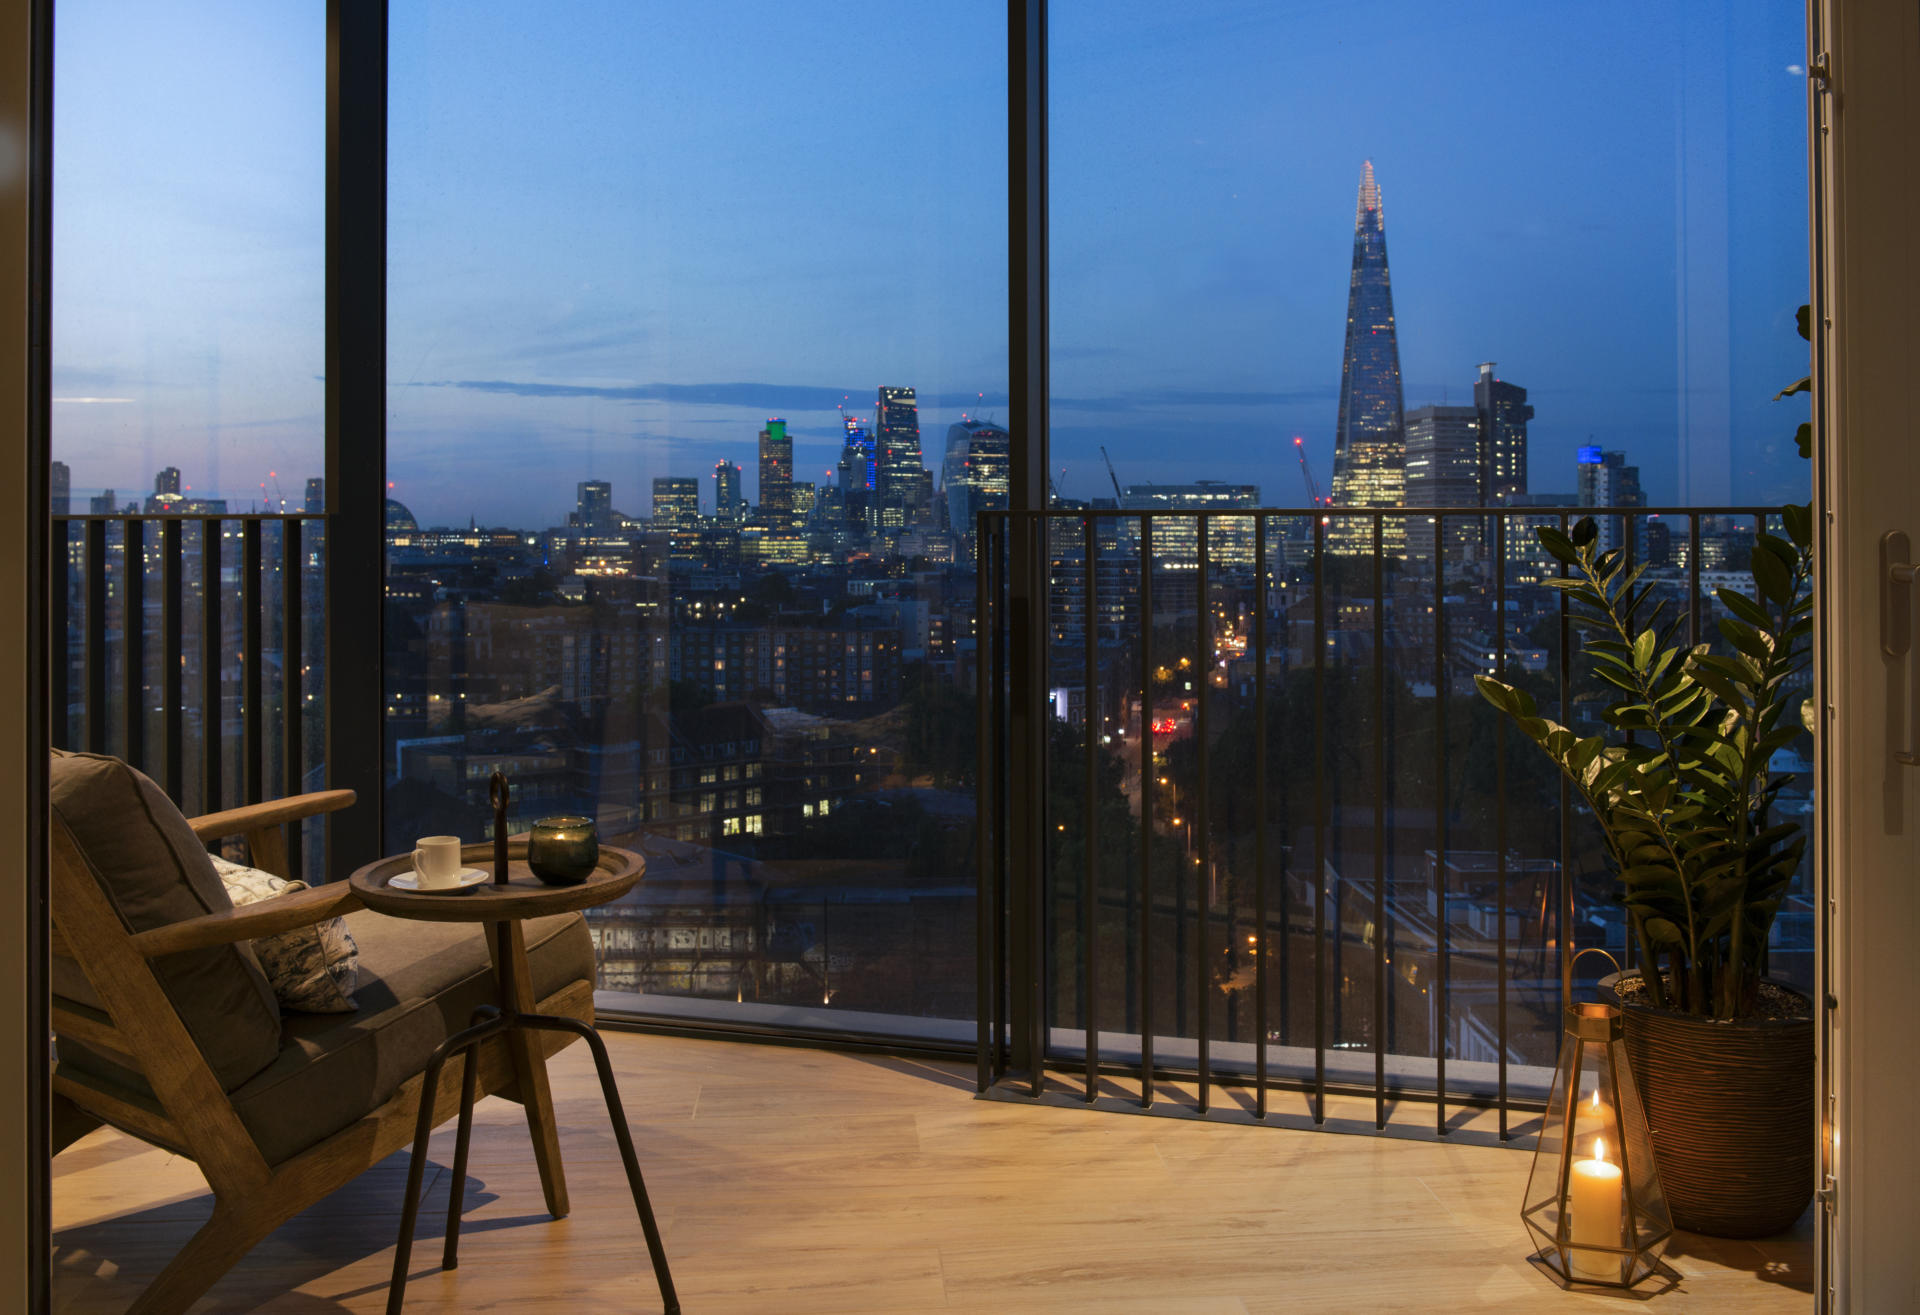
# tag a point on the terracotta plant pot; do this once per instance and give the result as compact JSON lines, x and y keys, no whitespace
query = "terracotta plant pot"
{"x":1731,"y":1109}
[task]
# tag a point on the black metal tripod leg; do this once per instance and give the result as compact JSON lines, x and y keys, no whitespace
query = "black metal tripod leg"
{"x":655,"y":1249}
{"x":456,"y":1193}
{"x":416,"y":1166}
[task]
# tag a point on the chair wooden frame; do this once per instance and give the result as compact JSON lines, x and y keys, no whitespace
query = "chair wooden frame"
{"x":192,"y":1116}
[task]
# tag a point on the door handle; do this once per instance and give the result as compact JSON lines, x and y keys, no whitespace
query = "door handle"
{"x":1897,"y":574}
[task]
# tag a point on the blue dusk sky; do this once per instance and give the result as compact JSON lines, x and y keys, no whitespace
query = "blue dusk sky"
{"x":623,"y":236}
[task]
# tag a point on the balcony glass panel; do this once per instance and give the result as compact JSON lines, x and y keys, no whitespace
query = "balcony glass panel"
{"x":697,"y":372}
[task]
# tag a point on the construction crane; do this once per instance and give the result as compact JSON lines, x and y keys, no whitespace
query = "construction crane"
{"x":1118,"y":497}
{"x":1306,"y":473}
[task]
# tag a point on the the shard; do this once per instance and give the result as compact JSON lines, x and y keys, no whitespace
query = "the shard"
{"x":1370,"y":446}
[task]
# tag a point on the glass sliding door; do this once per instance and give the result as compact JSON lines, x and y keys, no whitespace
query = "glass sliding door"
{"x":1368,"y":267}
{"x":697,"y":377}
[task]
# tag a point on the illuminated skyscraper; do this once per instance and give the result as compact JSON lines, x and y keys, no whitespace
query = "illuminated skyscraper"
{"x":593,"y":506}
{"x":1369,"y":446}
{"x":899,"y":472}
{"x":974,"y":475}
{"x":729,"y":507}
{"x":856,"y":477}
{"x":60,"y":481}
{"x":167,"y":481}
{"x":1443,"y":470}
{"x":1503,"y":436}
{"x":316,"y":504}
{"x":1606,"y":480}
{"x":776,"y":475}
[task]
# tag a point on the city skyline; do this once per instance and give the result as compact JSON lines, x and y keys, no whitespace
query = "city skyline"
{"x":1632,"y":257}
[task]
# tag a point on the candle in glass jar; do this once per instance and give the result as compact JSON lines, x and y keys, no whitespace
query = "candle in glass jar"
{"x":1593,"y":1202}
{"x":1595,"y":1116}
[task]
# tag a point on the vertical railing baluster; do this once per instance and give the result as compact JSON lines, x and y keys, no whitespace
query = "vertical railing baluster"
{"x":173,"y":656}
{"x":1693,"y":579}
{"x":1565,"y":914}
{"x":212,"y":641}
{"x":983,"y":846}
{"x":1039,"y":630}
{"x":293,"y":681}
{"x":1203,"y":869}
{"x":1146,"y":811}
{"x":1500,"y":805}
{"x":1320,"y":819}
{"x":60,"y":634}
{"x":97,"y":661}
{"x":253,"y":720}
{"x":1260,"y":816}
{"x":1379,"y":770}
{"x":1089,"y":722}
{"x":1000,"y":590}
{"x":133,"y":639}
{"x":1442,"y":1018}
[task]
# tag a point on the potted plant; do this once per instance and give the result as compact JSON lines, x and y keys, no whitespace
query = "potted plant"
{"x":1682,"y":785}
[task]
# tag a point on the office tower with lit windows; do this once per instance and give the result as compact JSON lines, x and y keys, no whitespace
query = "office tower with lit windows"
{"x":1369,"y":445}
{"x":898,"y":469}
{"x":60,"y":484}
{"x":975,"y":475}
{"x":167,"y":481}
{"x":1606,"y":480}
{"x":776,"y":475}
{"x":729,"y":508}
{"x":856,"y":477}
{"x":316,"y":504}
{"x":593,"y":506}
{"x":1503,"y":414}
{"x":676,"y":513}
{"x":1443,"y":470}
{"x":1176,"y":540}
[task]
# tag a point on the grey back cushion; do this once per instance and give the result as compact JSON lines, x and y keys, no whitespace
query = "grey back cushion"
{"x":155,"y":871}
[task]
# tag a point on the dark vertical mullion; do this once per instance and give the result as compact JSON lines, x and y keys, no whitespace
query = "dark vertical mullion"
{"x":356,"y":455}
{"x":212,"y":724}
{"x":1441,"y":930}
{"x":1379,"y":770}
{"x":1260,"y":816}
{"x":1002,"y":853}
{"x":173,"y":586}
{"x":293,"y":679}
{"x":1500,"y":808}
{"x":1146,"y":811}
{"x":253,"y":716}
{"x":1027,"y":345}
{"x":1202,"y":867}
{"x":96,"y":647}
{"x":1320,"y":819}
{"x":1089,"y":723}
{"x":133,"y":635}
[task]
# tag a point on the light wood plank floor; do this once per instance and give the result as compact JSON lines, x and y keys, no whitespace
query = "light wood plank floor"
{"x":796,"y":1181}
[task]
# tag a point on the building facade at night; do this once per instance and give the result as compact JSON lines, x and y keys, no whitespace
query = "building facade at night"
{"x":1369,"y":445}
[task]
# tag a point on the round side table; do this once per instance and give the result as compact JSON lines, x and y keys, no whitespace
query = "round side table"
{"x":503,"y":907}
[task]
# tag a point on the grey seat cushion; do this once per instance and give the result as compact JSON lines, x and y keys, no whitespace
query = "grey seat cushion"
{"x":419,"y":983}
{"x":154,"y":872}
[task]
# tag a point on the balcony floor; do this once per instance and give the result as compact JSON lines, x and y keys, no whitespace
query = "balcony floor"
{"x":793,"y":1181}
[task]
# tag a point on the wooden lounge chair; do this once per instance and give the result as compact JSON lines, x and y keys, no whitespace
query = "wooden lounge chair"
{"x":166,"y":1029}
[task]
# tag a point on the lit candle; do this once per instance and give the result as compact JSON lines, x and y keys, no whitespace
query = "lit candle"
{"x":1593,"y":1202}
{"x":1595,"y":1117}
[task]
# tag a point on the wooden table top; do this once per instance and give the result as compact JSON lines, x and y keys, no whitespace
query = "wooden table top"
{"x":524,"y":895}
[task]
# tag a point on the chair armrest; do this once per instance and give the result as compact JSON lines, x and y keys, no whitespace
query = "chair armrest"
{"x":257,"y":817}
{"x":300,"y":908}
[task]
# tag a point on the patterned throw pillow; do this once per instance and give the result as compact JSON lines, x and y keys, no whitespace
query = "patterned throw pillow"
{"x":312,"y":968}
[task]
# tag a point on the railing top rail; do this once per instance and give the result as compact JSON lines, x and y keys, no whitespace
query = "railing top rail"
{"x":1195,"y":513}
{"x":70,"y":516}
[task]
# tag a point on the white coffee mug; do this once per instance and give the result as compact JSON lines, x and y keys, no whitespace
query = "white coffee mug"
{"x":436,"y":860}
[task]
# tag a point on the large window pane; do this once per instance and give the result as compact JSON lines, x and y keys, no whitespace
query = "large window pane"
{"x":687,"y":310}
{"x":1607,"y":209}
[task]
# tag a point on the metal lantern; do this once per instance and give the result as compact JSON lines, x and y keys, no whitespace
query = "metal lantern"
{"x":1594,"y":1206}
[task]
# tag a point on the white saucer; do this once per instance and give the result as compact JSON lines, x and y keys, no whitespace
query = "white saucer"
{"x":465,"y":880}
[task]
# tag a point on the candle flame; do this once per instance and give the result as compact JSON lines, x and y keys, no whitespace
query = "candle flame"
{"x":1594,"y":1104}
{"x":1600,"y":1149}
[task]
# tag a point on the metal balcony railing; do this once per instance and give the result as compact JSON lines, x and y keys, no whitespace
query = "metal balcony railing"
{"x":1389,"y":923}
{"x":192,"y":646}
